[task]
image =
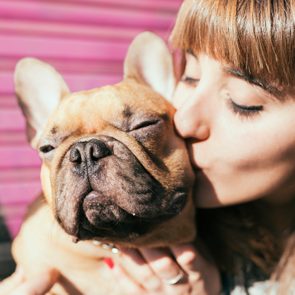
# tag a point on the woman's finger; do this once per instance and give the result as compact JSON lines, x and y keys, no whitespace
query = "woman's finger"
{"x":173,"y":277}
{"x":12,"y":282}
{"x":125,"y":282}
{"x":38,"y":285}
{"x":198,"y":269}
{"x":139,"y":270}
{"x":187,"y":257}
{"x":162,"y":264}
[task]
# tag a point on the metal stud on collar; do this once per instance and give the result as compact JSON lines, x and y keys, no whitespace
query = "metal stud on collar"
{"x":107,"y":246}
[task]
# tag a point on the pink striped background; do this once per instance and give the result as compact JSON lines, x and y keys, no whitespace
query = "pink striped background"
{"x":86,"y":41}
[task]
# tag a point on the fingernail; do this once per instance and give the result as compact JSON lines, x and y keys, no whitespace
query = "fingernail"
{"x":109,"y":262}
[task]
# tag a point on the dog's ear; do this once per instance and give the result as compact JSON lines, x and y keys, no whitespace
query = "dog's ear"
{"x":149,"y":61}
{"x":39,"y":88}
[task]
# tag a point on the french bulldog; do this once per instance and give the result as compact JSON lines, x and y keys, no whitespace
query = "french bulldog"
{"x":113,"y":169}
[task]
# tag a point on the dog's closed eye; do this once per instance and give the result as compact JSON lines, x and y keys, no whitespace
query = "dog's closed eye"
{"x":148,"y":128}
{"x":145,"y":123}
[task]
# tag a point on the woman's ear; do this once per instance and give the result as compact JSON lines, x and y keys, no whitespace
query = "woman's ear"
{"x":39,"y":88}
{"x":150,"y":62}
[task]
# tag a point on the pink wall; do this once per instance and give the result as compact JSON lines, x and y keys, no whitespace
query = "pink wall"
{"x":86,"y":41}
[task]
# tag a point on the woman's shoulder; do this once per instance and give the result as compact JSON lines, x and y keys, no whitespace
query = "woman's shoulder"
{"x":248,"y":280}
{"x":257,"y":288}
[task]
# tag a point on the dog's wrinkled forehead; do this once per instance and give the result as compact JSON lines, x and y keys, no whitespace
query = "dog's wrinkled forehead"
{"x":41,"y":90}
{"x":91,"y":111}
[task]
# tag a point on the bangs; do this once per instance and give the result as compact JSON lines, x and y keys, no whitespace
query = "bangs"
{"x":255,"y":37}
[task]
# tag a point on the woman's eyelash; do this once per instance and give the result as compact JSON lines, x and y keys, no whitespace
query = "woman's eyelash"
{"x":189,"y":80}
{"x":245,"y":111}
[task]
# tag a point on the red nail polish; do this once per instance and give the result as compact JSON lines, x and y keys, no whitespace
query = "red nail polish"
{"x":109,"y":262}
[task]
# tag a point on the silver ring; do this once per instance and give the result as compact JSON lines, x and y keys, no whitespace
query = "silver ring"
{"x":175,"y":280}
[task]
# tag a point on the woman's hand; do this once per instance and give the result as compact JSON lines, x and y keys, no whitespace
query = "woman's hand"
{"x":176,"y":270}
{"x":17,"y":284}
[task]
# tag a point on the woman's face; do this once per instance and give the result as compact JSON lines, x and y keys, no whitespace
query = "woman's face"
{"x":241,"y":137}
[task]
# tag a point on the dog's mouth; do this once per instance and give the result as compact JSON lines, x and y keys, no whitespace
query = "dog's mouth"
{"x":103,"y":192}
{"x":104,"y":219}
{"x":109,"y":221}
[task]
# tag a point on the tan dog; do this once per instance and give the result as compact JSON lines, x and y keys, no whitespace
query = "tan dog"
{"x":113,"y":169}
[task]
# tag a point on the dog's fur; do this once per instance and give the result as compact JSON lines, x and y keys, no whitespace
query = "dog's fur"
{"x":113,"y":169}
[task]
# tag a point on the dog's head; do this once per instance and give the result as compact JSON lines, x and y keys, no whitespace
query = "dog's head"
{"x":113,"y":168}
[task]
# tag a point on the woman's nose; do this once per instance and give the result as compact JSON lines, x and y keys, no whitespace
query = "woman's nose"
{"x":191,"y":121}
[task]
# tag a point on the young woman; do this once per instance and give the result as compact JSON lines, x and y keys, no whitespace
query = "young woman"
{"x":235,"y":106}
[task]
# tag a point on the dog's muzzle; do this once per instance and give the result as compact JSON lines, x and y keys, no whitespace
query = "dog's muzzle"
{"x":103,"y":191}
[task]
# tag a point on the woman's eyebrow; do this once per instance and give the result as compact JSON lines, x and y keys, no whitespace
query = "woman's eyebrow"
{"x":252,"y":80}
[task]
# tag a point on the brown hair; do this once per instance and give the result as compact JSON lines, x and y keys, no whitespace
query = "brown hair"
{"x":258,"y":38}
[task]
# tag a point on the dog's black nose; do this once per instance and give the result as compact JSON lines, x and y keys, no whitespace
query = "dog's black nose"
{"x":88,"y":152}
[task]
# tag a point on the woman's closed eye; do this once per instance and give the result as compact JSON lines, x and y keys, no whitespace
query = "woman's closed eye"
{"x":246,"y":111}
{"x":189,"y":80}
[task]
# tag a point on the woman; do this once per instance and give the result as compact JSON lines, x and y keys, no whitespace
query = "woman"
{"x":235,"y":105}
